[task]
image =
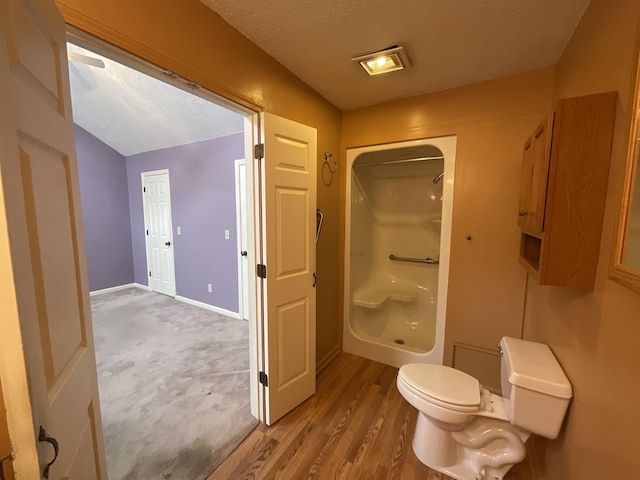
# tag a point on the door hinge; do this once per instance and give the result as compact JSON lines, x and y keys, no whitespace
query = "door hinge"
{"x":149,"y":272}
{"x":264,"y":379}
{"x":147,"y":232}
{"x":144,"y":189}
{"x":258,"y":151}
{"x":261,"y":270}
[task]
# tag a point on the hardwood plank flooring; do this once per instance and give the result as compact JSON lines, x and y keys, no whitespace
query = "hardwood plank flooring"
{"x":356,"y":427}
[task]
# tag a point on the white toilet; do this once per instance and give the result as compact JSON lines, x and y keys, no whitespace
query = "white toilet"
{"x":469,"y":433}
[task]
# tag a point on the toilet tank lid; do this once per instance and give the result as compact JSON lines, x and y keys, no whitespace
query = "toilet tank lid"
{"x":534,"y":367}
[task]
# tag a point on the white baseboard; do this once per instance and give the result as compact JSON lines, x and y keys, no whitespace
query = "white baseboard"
{"x":118,"y":287}
{"x":206,"y":306}
{"x":195,"y":303}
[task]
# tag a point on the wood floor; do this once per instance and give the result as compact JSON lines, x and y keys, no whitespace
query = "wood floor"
{"x":357,"y":426}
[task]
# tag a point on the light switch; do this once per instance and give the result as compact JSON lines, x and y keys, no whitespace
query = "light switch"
{"x":226,"y":234}
{"x":178,"y":231}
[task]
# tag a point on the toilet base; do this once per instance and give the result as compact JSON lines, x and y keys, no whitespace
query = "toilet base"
{"x":433,"y":445}
{"x":438,"y":448}
{"x":462,"y":471}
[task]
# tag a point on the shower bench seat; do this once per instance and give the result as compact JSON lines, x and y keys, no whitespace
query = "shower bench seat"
{"x":376,"y":298}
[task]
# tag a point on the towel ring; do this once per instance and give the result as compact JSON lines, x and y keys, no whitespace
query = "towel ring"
{"x":332,"y":171}
{"x":327,"y":156}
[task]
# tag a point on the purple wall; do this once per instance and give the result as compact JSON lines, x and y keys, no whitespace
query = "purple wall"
{"x":105,"y":212}
{"x":203,"y":205}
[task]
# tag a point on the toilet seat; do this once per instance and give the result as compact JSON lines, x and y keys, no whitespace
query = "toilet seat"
{"x":443,"y":386}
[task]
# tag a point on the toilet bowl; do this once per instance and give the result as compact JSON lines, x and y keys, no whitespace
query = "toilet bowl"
{"x":469,"y":433}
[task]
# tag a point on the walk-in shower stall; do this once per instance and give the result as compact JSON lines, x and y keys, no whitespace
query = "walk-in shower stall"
{"x":398,"y":231}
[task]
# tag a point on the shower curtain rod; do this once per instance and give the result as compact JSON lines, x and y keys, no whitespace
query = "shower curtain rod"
{"x":408,"y":160}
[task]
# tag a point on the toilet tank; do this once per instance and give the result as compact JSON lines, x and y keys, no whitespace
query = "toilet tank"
{"x":536,"y":386}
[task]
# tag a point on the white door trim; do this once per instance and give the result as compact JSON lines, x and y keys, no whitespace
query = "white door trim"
{"x":172,"y":287}
{"x":254,"y":249}
{"x":241,"y":232}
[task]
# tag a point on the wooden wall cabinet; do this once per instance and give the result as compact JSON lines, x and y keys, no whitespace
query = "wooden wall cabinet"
{"x":565,"y":172}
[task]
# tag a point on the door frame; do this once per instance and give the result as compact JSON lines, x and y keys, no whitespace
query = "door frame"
{"x":241,"y":232}
{"x":253,"y":181}
{"x":143,"y":175}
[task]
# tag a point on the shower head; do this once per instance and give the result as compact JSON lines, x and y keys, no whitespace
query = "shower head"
{"x":437,"y":178}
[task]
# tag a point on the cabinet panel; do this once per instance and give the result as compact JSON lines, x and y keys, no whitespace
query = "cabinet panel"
{"x":535,"y":172}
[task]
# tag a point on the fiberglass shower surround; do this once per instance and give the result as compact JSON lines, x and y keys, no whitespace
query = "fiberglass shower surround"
{"x":395,"y":251}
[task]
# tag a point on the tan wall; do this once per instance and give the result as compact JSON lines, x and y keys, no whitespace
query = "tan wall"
{"x":188,"y":38}
{"x":596,"y":335}
{"x":6,"y":468}
{"x":5,"y":446}
{"x":492,"y":120}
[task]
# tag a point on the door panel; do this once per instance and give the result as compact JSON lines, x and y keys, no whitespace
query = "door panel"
{"x":33,"y":51}
{"x":157,"y":214}
{"x":293,"y":358}
{"x":45,"y":180}
{"x":290,"y":211}
{"x":293,"y":229}
{"x":46,"y":261}
{"x":75,"y":426}
{"x":535,"y":172}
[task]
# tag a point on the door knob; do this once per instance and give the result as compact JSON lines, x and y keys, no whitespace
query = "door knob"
{"x":56,"y":449}
{"x":522,"y":213}
{"x":243,"y":253}
{"x":168,"y":244}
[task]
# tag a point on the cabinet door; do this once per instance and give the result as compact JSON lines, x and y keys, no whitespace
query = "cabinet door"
{"x":535,"y":172}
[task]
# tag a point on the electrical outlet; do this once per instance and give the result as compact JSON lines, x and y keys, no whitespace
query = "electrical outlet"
{"x":178,"y":231}
{"x":226,"y":234}
{"x":209,"y":288}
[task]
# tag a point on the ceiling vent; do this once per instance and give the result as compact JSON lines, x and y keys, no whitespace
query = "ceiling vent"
{"x":384,"y":61}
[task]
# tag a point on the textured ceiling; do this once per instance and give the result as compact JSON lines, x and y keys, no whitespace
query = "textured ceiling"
{"x":134,"y":113}
{"x":449,"y":43}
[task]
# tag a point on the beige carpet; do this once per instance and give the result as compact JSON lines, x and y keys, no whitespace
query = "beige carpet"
{"x":174,"y":385}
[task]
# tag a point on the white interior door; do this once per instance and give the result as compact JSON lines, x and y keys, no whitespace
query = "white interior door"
{"x":243,"y":244}
{"x":156,"y":196}
{"x":289,"y":217}
{"x":46,"y":339}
